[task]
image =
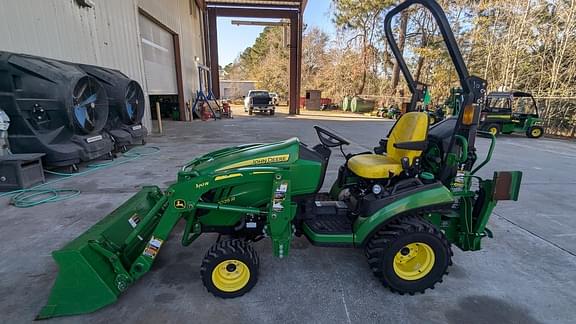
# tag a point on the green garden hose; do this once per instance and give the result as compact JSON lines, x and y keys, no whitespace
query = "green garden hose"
{"x":42,"y":193}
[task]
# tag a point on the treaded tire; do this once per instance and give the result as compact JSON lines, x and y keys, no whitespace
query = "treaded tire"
{"x":493,"y":126}
{"x":531,"y":134}
{"x":233,"y":249}
{"x":250,"y":111}
{"x":387,"y":242}
{"x":272,"y":112}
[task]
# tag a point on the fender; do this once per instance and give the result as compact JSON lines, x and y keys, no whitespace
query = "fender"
{"x":364,"y":227}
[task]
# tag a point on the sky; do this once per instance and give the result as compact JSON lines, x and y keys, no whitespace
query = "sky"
{"x":232,"y":40}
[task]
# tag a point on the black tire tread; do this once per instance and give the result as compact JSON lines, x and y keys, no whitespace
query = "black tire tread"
{"x":222,"y":249}
{"x":380,"y":241}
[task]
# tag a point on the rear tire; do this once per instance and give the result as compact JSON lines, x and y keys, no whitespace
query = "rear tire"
{"x":409,"y":255}
{"x":230,"y":268}
{"x":250,"y":111}
{"x":535,"y":132}
{"x":272,"y":112}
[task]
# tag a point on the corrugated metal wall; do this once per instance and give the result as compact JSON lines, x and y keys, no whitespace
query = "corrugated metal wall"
{"x":105,"y":35}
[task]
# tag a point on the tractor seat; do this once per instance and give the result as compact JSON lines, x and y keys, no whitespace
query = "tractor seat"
{"x":406,"y":140}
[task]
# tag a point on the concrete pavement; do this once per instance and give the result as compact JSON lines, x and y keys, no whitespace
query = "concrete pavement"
{"x":526,"y":274}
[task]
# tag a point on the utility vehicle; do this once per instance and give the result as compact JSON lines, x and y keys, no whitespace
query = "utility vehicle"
{"x":511,"y":112}
{"x":405,"y":205}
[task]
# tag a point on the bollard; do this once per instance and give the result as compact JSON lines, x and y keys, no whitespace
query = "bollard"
{"x":159,"y":118}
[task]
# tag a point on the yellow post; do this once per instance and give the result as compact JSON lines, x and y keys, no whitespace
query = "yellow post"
{"x":159,"y":118}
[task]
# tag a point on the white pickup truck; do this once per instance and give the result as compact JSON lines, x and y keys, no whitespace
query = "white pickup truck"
{"x":259,"y":100}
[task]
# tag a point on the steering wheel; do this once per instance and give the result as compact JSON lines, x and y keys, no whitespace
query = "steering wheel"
{"x":329,"y":139}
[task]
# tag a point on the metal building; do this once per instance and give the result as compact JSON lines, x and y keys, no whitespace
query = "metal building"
{"x":155,"y":42}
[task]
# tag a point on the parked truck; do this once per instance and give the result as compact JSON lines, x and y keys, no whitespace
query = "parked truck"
{"x":259,"y":100}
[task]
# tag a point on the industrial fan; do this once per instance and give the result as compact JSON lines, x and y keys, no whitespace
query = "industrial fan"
{"x":127,"y":105}
{"x":55,"y":108}
{"x":90,"y":105}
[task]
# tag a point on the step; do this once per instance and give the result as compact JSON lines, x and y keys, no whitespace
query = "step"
{"x":330,"y":224}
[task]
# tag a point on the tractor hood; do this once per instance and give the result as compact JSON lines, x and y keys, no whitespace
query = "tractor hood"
{"x":273,"y":154}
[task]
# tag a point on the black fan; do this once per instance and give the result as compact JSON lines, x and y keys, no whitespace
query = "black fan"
{"x":126,"y":102}
{"x":134,"y":104}
{"x":55,"y":108}
{"x":90,"y":108}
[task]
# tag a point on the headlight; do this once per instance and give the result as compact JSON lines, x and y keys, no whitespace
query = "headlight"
{"x":376,"y":189}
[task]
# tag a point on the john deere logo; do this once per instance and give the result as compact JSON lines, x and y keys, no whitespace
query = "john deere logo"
{"x":258,"y":161}
{"x":179,"y":204}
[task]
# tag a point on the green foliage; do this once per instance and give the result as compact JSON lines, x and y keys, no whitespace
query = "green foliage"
{"x":266,"y":61}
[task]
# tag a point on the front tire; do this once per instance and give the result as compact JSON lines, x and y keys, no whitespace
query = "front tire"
{"x":493,"y":129}
{"x":409,"y":255}
{"x":250,"y":111}
{"x":272,"y":112}
{"x":535,"y":132}
{"x":230,"y":268}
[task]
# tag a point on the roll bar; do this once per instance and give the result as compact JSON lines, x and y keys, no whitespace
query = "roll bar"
{"x":473,"y":88}
{"x":469,"y":85}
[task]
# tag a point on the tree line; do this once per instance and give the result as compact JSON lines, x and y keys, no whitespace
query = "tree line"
{"x":526,"y":45}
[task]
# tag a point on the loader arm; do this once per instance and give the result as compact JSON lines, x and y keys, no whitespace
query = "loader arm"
{"x":122,"y":247}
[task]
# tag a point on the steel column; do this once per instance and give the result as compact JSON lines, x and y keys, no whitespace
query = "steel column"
{"x":213,"y":51}
{"x":294,"y":65}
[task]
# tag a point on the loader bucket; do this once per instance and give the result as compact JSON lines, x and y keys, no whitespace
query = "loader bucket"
{"x":88,"y":276}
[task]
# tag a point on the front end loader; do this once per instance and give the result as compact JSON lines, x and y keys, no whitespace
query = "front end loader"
{"x":405,"y":204}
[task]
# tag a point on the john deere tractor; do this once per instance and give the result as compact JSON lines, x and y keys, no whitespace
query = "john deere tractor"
{"x":405,"y":204}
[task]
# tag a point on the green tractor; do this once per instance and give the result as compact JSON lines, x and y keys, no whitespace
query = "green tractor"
{"x":405,"y":205}
{"x":511,"y":112}
{"x":453,"y":102}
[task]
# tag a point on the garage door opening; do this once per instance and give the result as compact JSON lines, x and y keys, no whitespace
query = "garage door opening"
{"x":290,"y":11}
{"x":261,"y":67}
{"x":162,"y":67}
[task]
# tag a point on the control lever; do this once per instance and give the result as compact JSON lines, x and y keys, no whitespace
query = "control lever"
{"x":405,"y":163}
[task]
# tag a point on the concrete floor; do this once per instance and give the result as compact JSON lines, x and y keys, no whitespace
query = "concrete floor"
{"x":526,"y":274}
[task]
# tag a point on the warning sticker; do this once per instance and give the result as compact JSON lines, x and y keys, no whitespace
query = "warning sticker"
{"x":153,"y":247}
{"x":134,"y":220}
{"x":277,"y":205}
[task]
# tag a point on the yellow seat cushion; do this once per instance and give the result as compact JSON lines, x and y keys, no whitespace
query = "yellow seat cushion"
{"x":373,"y":166}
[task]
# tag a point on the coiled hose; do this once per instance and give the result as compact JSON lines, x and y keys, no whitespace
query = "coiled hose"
{"x":43,"y":193}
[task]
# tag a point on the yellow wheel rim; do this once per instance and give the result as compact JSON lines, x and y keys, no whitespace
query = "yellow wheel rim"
{"x":536,"y":132}
{"x":414,"y":261}
{"x":493,"y":130}
{"x":230,"y":275}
